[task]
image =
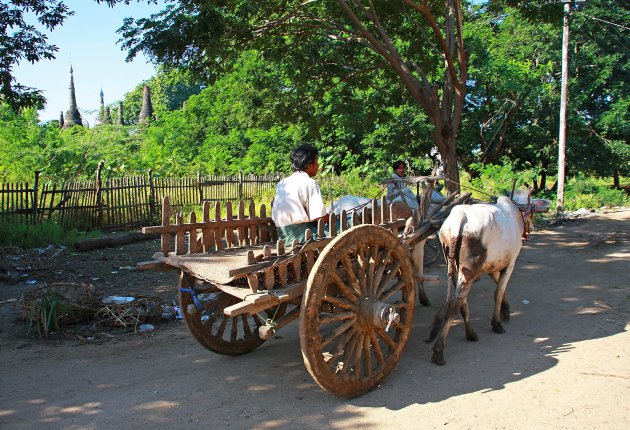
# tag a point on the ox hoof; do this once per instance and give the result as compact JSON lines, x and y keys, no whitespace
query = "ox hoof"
{"x":438,"y":358}
{"x":472,"y":336}
{"x":497,"y":327}
{"x":505,"y":312}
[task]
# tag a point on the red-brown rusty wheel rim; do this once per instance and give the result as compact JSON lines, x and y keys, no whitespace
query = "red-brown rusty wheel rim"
{"x":211,"y":327}
{"x":345,"y":349}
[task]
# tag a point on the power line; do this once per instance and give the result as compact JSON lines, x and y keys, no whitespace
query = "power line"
{"x":607,"y":22}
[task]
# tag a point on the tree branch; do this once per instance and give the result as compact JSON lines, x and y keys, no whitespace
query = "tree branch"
{"x":424,"y":10}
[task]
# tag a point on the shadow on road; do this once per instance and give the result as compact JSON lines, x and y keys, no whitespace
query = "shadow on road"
{"x":570,"y":285}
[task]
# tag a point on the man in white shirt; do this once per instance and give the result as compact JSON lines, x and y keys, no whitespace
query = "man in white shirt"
{"x":298,"y":203}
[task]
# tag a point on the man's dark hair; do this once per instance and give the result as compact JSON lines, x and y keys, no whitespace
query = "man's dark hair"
{"x":398,"y":164}
{"x":302,"y":156}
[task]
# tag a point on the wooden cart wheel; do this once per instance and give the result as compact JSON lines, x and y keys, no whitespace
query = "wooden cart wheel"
{"x":432,"y":250}
{"x":211,"y":327}
{"x":357,"y":310}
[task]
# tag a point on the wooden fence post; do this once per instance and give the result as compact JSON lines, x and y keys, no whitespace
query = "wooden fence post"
{"x":99,"y":191}
{"x":240,"y":186}
{"x":151,"y":194}
{"x":199,"y":187}
{"x":35,"y":192}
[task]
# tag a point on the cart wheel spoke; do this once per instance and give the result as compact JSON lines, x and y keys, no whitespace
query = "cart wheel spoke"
{"x":246,"y":329}
{"x":234,"y":331}
{"x":388,"y":340}
{"x":211,"y":327}
{"x":389,"y":292}
{"x":357,"y":356}
{"x":380,"y":269}
{"x":377,"y":348}
{"x":372,"y":261}
{"x":386,"y":281}
{"x":367,"y":355}
{"x":343,"y":289}
{"x":221,"y":329}
{"x":339,"y":349}
{"x":351,"y":274}
{"x":361,"y":268}
{"x":347,"y":327}
{"x":328,"y":319}
{"x":338,"y":302}
{"x":359,"y":279}
{"x":348,"y":362}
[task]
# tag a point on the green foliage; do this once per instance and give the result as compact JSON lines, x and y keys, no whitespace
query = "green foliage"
{"x":36,"y":235}
{"x":170,"y":88}
{"x":26,"y":145}
{"x":46,"y":316}
{"x":580,"y":191}
{"x":592,"y":193}
{"x":21,"y":40}
{"x":493,"y":180}
{"x":351,"y":182}
{"x":248,"y":107}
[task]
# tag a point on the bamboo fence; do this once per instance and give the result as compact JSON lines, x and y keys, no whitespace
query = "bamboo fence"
{"x":126,"y":202}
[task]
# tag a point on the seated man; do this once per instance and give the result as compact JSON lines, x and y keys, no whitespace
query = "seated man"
{"x":398,"y":191}
{"x":298,"y":203}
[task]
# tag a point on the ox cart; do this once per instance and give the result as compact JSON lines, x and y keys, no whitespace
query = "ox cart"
{"x":353,"y":288}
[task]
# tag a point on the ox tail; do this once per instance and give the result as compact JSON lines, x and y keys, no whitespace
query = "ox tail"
{"x":451,"y":249}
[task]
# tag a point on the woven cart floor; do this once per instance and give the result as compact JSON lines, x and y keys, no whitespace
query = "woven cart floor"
{"x":212,"y":267}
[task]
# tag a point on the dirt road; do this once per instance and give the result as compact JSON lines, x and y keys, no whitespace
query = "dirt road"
{"x":563,"y":362}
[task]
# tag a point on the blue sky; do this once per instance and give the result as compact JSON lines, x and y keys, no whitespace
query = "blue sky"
{"x":87,"y":40}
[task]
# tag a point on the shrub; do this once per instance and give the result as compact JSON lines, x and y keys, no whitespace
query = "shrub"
{"x":592,"y":193}
{"x":494,"y":180}
{"x":36,"y":235}
{"x":351,"y":182}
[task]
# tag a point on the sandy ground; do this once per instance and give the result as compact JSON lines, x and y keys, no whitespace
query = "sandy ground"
{"x":563,"y":362}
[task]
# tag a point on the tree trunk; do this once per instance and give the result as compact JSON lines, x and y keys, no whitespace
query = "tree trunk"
{"x":446,"y":144}
{"x":444,"y":105}
{"x":616,"y":180}
{"x":112,"y":241}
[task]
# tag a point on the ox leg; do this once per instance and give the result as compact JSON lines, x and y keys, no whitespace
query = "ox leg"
{"x":505,"y":309}
{"x":505,"y":306}
{"x":418,"y":264}
{"x":451,"y":307}
{"x":501,"y":307}
{"x":470,"y":333}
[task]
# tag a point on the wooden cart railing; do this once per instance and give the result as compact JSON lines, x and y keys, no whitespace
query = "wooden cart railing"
{"x":233,"y":271}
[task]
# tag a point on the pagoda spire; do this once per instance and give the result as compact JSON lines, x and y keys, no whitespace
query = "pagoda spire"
{"x":101,"y":113}
{"x":121,"y":118}
{"x":146,"y":113}
{"x":72,"y":117}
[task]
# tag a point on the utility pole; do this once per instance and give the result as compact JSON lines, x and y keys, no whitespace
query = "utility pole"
{"x":562,"y":138}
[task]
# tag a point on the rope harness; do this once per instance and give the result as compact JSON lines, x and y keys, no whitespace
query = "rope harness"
{"x":527,"y":214}
{"x":193,"y":293}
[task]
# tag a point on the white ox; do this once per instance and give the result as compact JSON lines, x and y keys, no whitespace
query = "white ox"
{"x":349,"y":202}
{"x":478,"y":239}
